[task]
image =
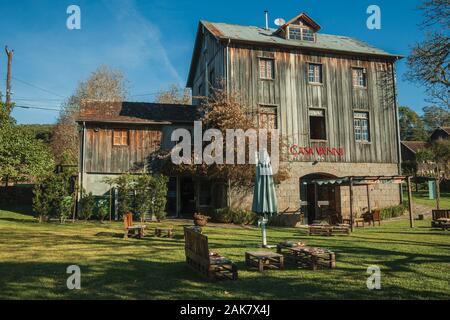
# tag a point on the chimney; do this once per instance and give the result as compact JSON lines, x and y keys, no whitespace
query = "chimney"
{"x":266,"y":13}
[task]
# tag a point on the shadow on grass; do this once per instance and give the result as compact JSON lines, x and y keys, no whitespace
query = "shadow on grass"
{"x":138,"y":279}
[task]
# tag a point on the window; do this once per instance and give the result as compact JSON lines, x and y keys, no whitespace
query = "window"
{"x":359,"y":77}
{"x":361,"y":122}
{"x":204,"y":193}
{"x":120,"y":137}
{"x":297,"y":33}
{"x":315,"y":73}
{"x":268,"y":118}
{"x":266,"y":70}
{"x":317,"y":130}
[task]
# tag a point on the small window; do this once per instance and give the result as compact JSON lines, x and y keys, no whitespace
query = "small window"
{"x":361,"y":122}
{"x":120,"y":137}
{"x":268,"y":117}
{"x":266,"y":70}
{"x":315,"y":73}
{"x":317,"y":126}
{"x":298,"y":33}
{"x":359,"y":77}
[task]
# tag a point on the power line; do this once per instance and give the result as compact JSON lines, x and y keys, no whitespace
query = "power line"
{"x":37,"y":99}
{"x":38,"y":108}
{"x":37,"y":87}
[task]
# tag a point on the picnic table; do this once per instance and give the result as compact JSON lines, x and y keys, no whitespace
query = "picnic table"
{"x":312,"y":257}
{"x":164,"y":232}
{"x":264,"y":259}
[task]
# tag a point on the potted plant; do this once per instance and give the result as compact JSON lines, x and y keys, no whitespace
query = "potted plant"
{"x":200,"y":220}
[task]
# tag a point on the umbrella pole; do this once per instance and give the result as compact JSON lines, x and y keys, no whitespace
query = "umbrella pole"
{"x":263,"y":222}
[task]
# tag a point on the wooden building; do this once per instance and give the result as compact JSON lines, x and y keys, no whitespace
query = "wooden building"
{"x":333,"y":97}
{"x":117,"y":137}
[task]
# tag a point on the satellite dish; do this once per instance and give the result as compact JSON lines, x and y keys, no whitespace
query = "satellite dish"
{"x":279,"y":22}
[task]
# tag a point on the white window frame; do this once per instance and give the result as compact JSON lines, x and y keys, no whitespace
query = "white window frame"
{"x":361,"y":123}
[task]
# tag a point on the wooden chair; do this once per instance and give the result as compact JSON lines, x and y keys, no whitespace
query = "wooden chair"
{"x":210,"y":265}
{"x":372,"y":217}
{"x":440,"y":217}
{"x":137,"y":231}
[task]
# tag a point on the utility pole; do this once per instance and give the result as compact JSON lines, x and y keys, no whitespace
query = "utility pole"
{"x":9,"y":53}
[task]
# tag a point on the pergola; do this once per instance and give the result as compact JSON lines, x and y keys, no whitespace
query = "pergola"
{"x":352,"y":181}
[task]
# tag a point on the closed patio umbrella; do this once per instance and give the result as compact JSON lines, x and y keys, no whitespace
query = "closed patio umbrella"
{"x":264,"y":197}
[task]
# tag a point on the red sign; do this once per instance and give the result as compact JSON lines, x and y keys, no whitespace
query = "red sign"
{"x":297,"y":151}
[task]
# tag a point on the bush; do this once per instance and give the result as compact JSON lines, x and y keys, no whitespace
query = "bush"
{"x":236,"y":216}
{"x":87,"y":206}
{"x":101,"y":209}
{"x":150,"y":194}
{"x":393,"y":212}
{"x":66,"y":208}
{"x":49,"y":194}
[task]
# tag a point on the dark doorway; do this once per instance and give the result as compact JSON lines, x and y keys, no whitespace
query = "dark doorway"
{"x":187,"y":197}
{"x":322,"y":206}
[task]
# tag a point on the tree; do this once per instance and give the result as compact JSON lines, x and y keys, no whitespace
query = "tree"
{"x":222,"y":112}
{"x":434,"y":117}
{"x":411,"y":125}
{"x":51,"y":194}
{"x":429,"y":60}
{"x":174,"y":95}
{"x":104,"y":84}
{"x":22,"y":156}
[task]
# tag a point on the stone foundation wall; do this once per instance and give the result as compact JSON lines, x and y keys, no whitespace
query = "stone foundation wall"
{"x":288,"y":192}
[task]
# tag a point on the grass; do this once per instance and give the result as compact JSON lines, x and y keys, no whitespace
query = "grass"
{"x":421,"y":197}
{"x":34,"y":257}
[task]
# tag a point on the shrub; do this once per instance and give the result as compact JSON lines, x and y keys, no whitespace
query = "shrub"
{"x":66,"y":208}
{"x":394,"y":211}
{"x":87,"y":206}
{"x":150,"y":191}
{"x":101,"y":209}
{"x":236,"y":216}
{"x":48,"y":195}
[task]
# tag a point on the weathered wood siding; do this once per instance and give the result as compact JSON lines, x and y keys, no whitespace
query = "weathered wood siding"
{"x":294,"y":96}
{"x":212,"y":58}
{"x":103,"y":157}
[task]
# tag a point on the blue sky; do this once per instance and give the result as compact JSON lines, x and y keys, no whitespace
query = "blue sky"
{"x":152,"y":41}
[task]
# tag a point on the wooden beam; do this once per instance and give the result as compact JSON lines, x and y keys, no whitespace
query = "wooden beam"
{"x":351,"y":204}
{"x":411,"y":218}
{"x":369,"y":208}
{"x":438,"y":193}
{"x":316,"y":207}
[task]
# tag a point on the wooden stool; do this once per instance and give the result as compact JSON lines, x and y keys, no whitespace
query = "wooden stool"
{"x":164,"y":232}
{"x":264,"y":259}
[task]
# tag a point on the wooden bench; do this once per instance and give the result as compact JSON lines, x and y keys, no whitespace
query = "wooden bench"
{"x":137,"y":231}
{"x":310,"y":257}
{"x":328,"y":230}
{"x":440,"y":217}
{"x":210,"y":265}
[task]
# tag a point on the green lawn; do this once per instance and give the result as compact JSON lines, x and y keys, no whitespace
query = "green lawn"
{"x":34,"y":257}
{"x":421,"y":197}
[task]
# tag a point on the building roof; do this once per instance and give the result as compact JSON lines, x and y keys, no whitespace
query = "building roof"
{"x":415,"y":146}
{"x":445,"y":129}
{"x":324,"y":41}
{"x":271,"y":37}
{"x":137,"y":113}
